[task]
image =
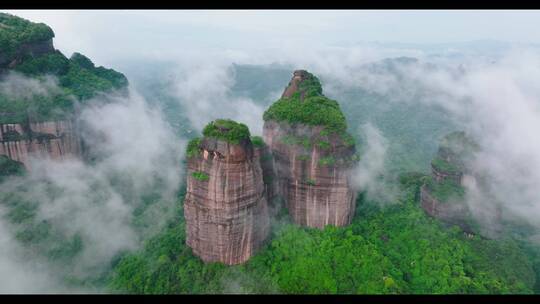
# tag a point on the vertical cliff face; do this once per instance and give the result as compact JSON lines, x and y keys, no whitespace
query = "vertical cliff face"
{"x":54,"y":139}
{"x":225,"y":207}
{"x":443,"y":195}
{"x":312,"y":154}
{"x":263,"y":153}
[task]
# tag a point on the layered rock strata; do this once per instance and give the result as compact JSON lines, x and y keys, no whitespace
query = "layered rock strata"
{"x":317,"y":193}
{"x":53,"y":139}
{"x":453,"y":213}
{"x":264,"y":154}
{"x":225,"y":207}
{"x":312,"y":166}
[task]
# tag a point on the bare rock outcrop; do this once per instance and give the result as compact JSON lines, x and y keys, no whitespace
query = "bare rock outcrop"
{"x":53,"y":139}
{"x":312,"y":162}
{"x":264,"y":154}
{"x":451,"y":212}
{"x":225,"y":207}
{"x":298,"y":77}
{"x":314,"y":182}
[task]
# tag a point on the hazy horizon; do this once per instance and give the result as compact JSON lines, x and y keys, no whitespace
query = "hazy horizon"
{"x":110,"y":35}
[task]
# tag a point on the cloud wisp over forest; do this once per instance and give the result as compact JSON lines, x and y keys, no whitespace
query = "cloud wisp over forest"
{"x":94,"y":203}
{"x":494,"y":97}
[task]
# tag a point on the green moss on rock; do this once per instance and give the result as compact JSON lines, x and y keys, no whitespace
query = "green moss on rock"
{"x":78,"y":78}
{"x":327,"y":161}
{"x":257,"y":141}
{"x":228,"y":130}
{"x":445,"y":190}
{"x":310,"y":107}
{"x":193,"y":147}
{"x":200,"y":176}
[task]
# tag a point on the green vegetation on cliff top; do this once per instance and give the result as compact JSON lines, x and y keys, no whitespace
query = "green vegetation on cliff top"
{"x":257,"y":141}
{"x":193,"y":147}
{"x":16,"y":32}
{"x":445,"y":190}
{"x":228,"y":130}
{"x":314,"y":109}
{"x":442,"y":165}
{"x":76,"y":78}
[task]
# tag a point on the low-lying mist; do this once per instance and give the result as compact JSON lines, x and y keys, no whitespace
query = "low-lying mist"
{"x":136,"y":152}
{"x":493,"y":97}
{"x":105,"y":206}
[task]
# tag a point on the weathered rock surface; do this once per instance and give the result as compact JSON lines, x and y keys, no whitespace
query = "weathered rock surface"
{"x":453,"y":213}
{"x":54,"y":139}
{"x":264,"y":154}
{"x":483,"y":215}
{"x":298,"y":77}
{"x":311,"y":165}
{"x":226,"y":213}
{"x":316,"y":194}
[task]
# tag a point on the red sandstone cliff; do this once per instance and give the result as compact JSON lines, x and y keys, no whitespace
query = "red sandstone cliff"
{"x":314,"y":181}
{"x":54,"y":139}
{"x":226,"y":210}
{"x":316,"y":194}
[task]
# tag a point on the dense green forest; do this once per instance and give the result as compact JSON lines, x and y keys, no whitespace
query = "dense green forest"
{"x":228,"y":130}
{"x":76,"y":79}
{"x":16,"y":32}
{"x":392,"y":249}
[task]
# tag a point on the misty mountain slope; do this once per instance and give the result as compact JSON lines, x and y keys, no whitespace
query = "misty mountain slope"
{"x":383,"y":94}
{"x":113,"y":222}
{"x":30,"y":52}
{"x":442,"y":261}
{"x":68,"y":217}
{"x":412,"y":130}
{"x":410,"y":142}
{"x":260,"y":82}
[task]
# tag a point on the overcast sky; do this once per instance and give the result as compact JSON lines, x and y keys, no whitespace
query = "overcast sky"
{"x":108,"y":35}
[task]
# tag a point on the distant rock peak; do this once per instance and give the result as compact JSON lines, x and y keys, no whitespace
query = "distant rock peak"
{"x":313,"y":154}
{"x":299,"y":76}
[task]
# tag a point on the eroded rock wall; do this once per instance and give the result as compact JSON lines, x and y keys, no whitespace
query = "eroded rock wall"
{"x":264,"y":154}
{"x":316,"y":194}
{"x":226,"y":213}
{"x":454,"y":213}
{"x":51,"y":139}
